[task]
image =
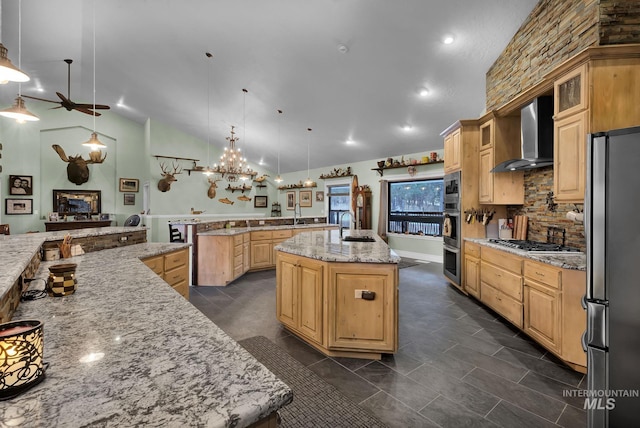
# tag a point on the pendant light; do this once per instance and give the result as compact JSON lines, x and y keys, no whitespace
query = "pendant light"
{"x":278,"y":179}
{"x":17,"y":111}
{"x":208,"y":171}
{"x":93,"y":142}
{"x":308,"y":182}
{"x":8,"y":71}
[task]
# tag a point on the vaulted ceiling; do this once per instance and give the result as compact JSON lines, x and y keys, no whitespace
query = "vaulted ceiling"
{"x":349,"y":69}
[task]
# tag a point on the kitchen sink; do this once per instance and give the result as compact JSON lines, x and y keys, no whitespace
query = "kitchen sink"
{"x":359,"y":238}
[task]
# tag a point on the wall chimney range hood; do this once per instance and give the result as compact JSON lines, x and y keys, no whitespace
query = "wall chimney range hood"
{"x":536,"y":137}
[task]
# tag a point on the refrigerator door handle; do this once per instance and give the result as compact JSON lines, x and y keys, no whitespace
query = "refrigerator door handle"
{"x":595,"y":217}
{"x":583,"y":340}
{"x":597,"y":325}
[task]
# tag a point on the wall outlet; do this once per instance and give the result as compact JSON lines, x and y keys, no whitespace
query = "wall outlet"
{"x":359,"y":294}
{"x":261,"y":222}
{"x":232,"y":223}
{"x":315,"y":220}
{"x":123,"y":238}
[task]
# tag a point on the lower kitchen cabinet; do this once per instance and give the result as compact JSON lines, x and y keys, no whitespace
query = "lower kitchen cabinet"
{"x":229,"y":262}
{"x":341,"y":309}
{"x":299,"y":295}
{"x":540,"y":299}
{"x":173,"y":267}
{"x":471,"y":275}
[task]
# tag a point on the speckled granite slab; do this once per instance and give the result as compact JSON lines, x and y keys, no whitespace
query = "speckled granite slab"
{"x":565,"y":260}
{"x":127,"y":350}
{"x":239,"y":230}
{"x":327,"y":246}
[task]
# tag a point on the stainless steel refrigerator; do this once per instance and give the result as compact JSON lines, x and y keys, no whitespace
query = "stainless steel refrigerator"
{"x":612,"y":229}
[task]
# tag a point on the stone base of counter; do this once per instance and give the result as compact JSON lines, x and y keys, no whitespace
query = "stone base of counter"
{"x":11,"y":299}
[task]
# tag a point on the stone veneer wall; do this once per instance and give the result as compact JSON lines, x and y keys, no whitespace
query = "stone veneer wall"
{"x":555,"y":31}
{"x":268,"y":221}
{"x":537,"y":184}
{"x":619,"y":22}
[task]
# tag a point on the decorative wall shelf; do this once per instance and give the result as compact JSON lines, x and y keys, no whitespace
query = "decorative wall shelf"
{"x":261,"y":185}
{"x":381,"y":170}
{"x":297,"y":186}
{"x":337,"y":173}
{"x":328,"y":177}
{"x":242,"y":188}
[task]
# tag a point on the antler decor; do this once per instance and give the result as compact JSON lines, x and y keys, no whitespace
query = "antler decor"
{"x":78,"y":168}
{"x":164,"y":185}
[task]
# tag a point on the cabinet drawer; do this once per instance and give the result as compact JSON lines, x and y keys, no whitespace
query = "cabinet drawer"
{"x":503,"y":259}
{"x":503,"y":304}
{"x":505,"y":281}
{"x":279,"y":234}
{"x":238,"y":239}
{"x":237,"y":260}
{"x":173,"y":260}
{"x":182,"y":288}
{"x":174,"y":276}
{"x":237,"y":250}
{"x":471,"y":249}
{"x":246,"y":237}
{"x":237,"y":271}
{"x":261,"y":235}
{"x":156,"y":264}
{"x":543,"y":273}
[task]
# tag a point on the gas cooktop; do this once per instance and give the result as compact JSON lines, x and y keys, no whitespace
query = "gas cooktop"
{"x":534,"y":246}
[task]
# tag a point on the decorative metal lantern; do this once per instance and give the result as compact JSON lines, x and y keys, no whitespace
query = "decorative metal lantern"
{"x":21,"y":354}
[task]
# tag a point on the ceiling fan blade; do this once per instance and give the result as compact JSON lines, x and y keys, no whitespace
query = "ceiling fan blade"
{"x":63,"y":98}
{"x":86,"y":111}
{"x":40,"y":99}
{"x":91,"y":106}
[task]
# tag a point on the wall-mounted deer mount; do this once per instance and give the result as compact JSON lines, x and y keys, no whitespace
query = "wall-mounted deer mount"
{"x":164,"y":185}
{"x":211,"y":193}
{"x":78,"y":168}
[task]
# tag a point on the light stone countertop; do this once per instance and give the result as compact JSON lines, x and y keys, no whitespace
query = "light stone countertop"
{"x":565,"y":260}
{"x":239,"y":230}
{"x":327,"y":246}
{"x":157,"y":360}
{"x":214,"y":219}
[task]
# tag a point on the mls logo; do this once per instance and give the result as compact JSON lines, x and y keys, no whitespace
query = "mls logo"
{"x":601,"y":403}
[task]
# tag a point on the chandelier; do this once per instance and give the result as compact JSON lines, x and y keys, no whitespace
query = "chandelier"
{"x":232,"y":164}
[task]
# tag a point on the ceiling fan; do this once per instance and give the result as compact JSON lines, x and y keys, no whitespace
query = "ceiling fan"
{"x":66,"y":101}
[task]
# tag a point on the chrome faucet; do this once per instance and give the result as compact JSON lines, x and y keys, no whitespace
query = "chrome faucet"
{"x":340,"y":221}
{"x":297,"y":211}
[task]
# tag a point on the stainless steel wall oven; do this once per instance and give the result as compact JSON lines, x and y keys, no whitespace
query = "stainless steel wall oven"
{"x":451,"y":236}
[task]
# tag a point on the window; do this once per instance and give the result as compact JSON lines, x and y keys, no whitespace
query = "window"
{"x":339,"y":203}
{"x":415,"y":207}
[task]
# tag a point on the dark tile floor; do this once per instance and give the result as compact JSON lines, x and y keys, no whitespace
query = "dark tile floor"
{"x":458,"y":364}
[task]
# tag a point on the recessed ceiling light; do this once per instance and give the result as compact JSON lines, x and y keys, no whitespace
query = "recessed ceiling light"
{"x":447,"y":40}
{"x":423,"y":92}
{"x":343,"y":48}
{"x":407,"y":128}
{"x":349,"y":141}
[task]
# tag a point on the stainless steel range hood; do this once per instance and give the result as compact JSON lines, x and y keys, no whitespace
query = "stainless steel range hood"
{"x":536,"y":137}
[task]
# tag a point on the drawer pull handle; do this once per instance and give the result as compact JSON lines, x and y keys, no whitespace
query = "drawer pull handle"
{"x":539,"y":273}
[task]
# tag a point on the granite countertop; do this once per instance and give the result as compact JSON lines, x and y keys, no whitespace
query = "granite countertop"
{"x":126,"y":349}
{"x":17,"y":250}
{"x":327,"y":246}
{"x":239,"y":230}
{"x":565,"y":260}
{"x":218,"y":218}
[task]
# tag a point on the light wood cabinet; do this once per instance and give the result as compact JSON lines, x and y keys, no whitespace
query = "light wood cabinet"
{"x":542,"y":314}
{"x":569,"y":167}
{"x":452,"y":154}
{"x":570,"y":92}
{"x":322,"y":303}
{"x":299,"y":295}
{"x":221,"y":259}
{"x":472,"y":269}
{"x":497,"y":136}
{"x":501,"y":284}
{"x":261,"y":250}
{"x":173,"y":268}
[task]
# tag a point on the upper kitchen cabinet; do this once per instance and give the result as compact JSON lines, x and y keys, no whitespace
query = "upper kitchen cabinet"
{"x":499,"y":141}
{"x":595,"y":91}
{"x":452,"y":151}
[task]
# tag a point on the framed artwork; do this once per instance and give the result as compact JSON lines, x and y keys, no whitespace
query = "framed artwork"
{"x":129,"y":199}
{"x":129,"y":184}
{"x":305,"y":198}
{"x":18,"y":206}
{"x":320,"y":196}
{"x":260,"y":201}
{"x":53,"y":216}
{"x":291,"y":200}
{"x":21,"y":185}
{"x":72,"y":202}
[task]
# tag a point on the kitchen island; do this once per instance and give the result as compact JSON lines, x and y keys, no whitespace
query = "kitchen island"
{"x":126,"y":349}
{"x":339,"y":296}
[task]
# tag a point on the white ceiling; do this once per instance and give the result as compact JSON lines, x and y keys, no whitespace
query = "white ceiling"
{"x":150,"y":56}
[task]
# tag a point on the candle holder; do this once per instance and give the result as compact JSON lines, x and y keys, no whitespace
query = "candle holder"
{"x":62,"y":280}
{"x":21,"y":353}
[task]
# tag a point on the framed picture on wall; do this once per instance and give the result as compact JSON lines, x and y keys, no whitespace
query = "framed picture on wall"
{"x":319,"y":196}
{"x":21,"y":185}
{"x":129,"y":199}
{"x":129,"y":184}
{"x":18,"y":206}
{"x":260,"y":201}
{"x":291,"y":200}
{"x":305,"y":198}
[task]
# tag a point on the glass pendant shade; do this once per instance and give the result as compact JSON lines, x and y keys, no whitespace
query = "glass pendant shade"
{"x":8,"y":71}
{"x":278,"y":179}
{"x":94,"y":143}
{"x":19,"y":112}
